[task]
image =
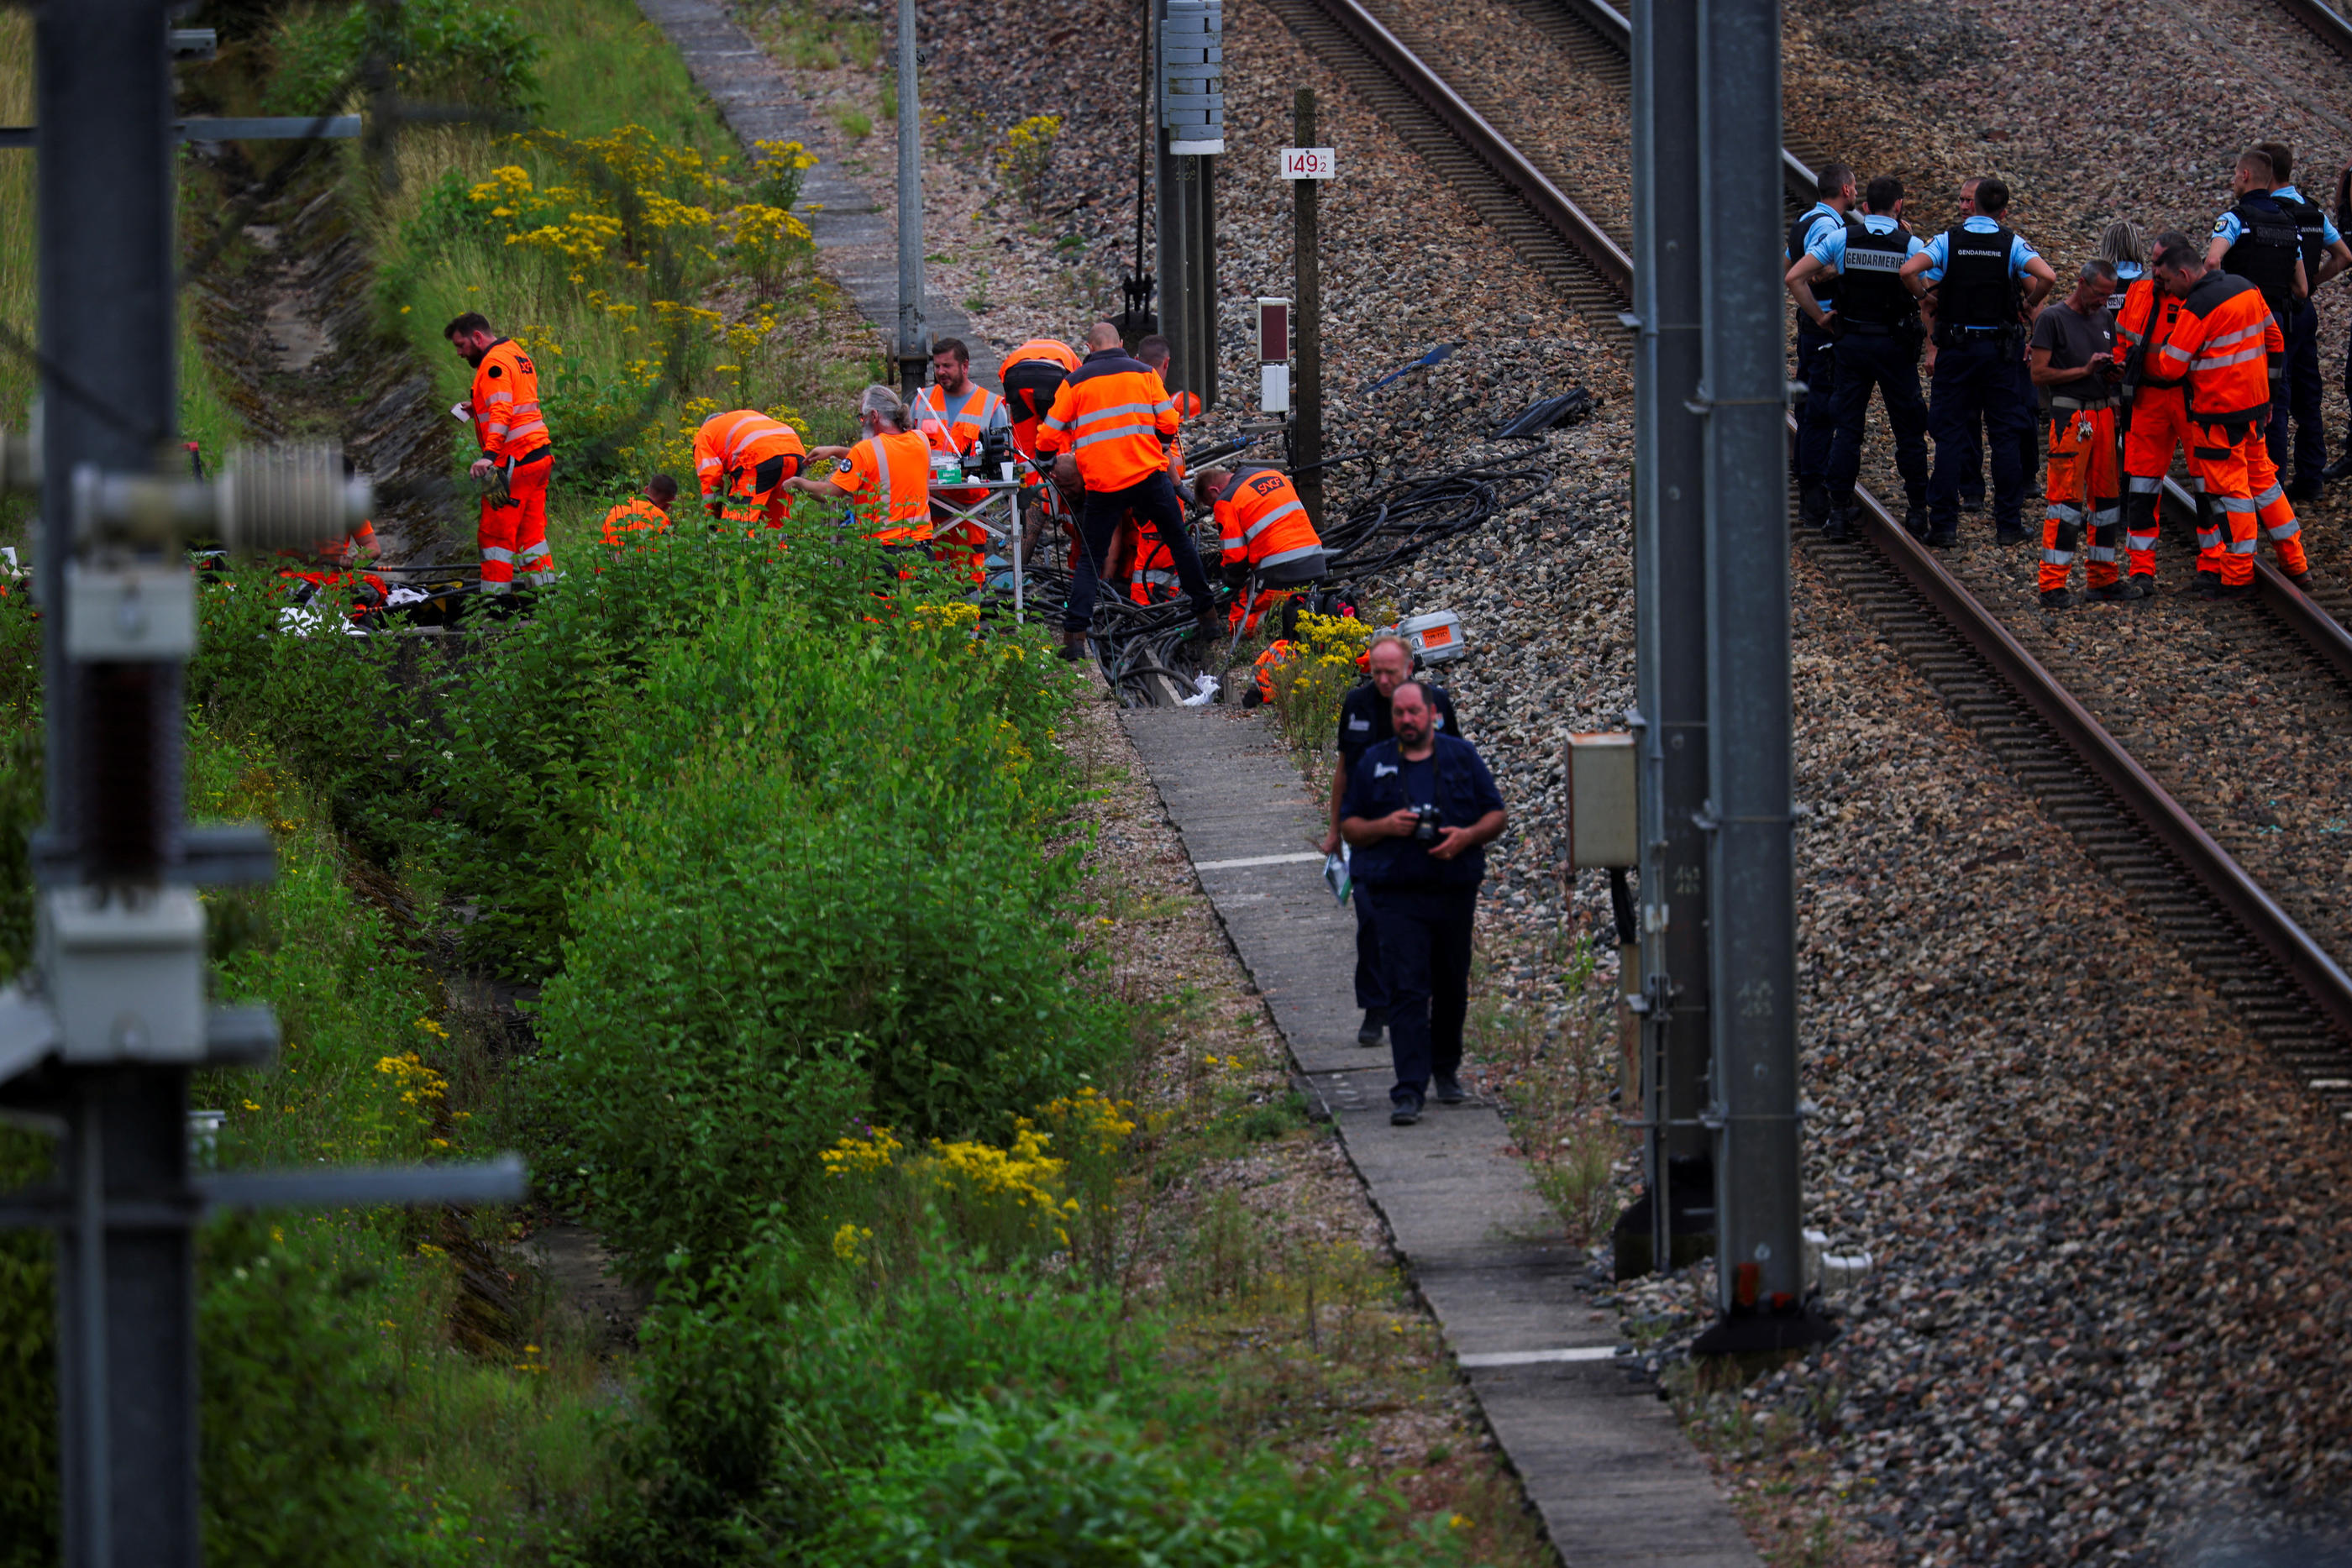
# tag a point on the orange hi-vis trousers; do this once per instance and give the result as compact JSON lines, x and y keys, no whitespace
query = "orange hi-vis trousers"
{"x":2083,"y":491}
{"x":514,"y":530}
{"x":2159,"y":422}
{"x":2240,"y":486}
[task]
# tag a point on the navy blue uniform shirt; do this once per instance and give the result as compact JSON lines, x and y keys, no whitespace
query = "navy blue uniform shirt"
{"x":1453,"y":779}
{"x":1364,"y":719}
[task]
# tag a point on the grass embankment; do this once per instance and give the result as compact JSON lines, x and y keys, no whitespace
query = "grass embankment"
{"x":826,"y":1046}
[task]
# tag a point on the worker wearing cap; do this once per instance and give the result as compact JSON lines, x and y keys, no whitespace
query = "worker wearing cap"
{"x":646,"y":512}
{"x":516,"y":451}
{"x":1985,"y":279}
{"x":889,"y":474}
{"x":1111,"y":425}
{"x":746,"y":454}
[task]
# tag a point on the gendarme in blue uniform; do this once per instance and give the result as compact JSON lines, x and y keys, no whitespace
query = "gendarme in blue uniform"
{"x":1816,"y":368}
{"x":1979,"y":346}
{"x":1879,"y":349}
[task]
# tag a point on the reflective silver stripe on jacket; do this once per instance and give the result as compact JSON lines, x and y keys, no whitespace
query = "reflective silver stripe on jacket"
{"x":1271,"y":519}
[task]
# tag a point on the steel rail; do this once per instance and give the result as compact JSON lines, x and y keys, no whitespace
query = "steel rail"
{"x":2205,"y":861}
{"x":1564,"y":218}
{"x":1615,"y":28}
{"x":2328,"y":26}
{"x":2305,"y":617}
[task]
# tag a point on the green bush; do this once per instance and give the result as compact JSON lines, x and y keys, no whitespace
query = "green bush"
{"x":438,"y":49}
{"x":769,"y":1388}
{"x":1008,"y":1483}
{"x":326,"y":707}
{"x":820,"y":888}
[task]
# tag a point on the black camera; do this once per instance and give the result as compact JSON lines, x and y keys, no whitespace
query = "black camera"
{"x":1425,"y":824}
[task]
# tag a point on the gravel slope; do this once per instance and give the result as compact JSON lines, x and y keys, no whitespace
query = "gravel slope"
{"x":2103,"y":1220}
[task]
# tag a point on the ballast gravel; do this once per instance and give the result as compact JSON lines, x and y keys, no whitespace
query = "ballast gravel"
{"x":2104,"y":1323}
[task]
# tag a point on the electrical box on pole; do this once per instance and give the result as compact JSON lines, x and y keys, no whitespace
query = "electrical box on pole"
{"x":1271,"y":331}
{"x":1192,"y":105}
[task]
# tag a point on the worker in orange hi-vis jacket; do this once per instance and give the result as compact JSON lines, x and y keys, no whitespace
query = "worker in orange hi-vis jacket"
{"x":1116,"y":421}
{"x":1264,"y":534}
{"x":888,"y":480}
{"x":2227,"y":343}
{"x":746,"y":455}
{"x":646,"y":512}
{"x":2153,"y":412}
{"x":954,"y":416}
{"x":516,"y":451}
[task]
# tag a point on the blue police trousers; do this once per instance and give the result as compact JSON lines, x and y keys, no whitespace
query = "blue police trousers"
{"x":1371,"y":991}
{"x":2298,"y":402}
{"x":1425,"y":963}
{"x":1890,"y":365}
{"x":1974,"y":379}
{"x":1817,"y":368}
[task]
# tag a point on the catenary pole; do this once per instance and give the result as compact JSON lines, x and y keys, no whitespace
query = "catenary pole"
{"x":1670,"y":595}
{"x":913,"y":352}
{"x":126,"y":1343}
{"x":1752,"y":932}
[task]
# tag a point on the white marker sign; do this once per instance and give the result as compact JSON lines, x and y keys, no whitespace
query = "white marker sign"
{"x":1308,"y":162}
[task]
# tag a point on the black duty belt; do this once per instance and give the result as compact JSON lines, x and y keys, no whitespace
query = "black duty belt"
{"x":1869,"y":329}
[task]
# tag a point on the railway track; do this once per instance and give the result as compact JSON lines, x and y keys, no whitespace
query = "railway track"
{"x":2287,"y":989}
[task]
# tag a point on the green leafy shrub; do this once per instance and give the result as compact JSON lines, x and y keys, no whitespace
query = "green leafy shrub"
{"x":438,"y":49}
{"x":820,"y":888}
{"x":768,"y":1388}
{"x":1006,"y":1482}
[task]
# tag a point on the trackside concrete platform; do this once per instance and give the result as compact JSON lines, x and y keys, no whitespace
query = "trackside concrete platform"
{"x":1599,"y":1454}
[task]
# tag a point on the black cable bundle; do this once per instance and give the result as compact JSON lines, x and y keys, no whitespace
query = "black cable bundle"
{"x":1396,"y":523}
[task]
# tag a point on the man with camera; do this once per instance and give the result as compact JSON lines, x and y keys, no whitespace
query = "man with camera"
{"x":2074,"y":365}
{"x":1418,"y":811}
{"x":1364,"y":724}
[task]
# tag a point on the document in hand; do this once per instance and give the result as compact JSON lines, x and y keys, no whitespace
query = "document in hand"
{"x":1335,"y":875}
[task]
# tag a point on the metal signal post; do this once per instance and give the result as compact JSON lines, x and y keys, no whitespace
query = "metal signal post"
{"x":98,"y":1044}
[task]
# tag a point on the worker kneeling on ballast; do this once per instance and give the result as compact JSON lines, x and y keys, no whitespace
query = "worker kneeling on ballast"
{"x":1261,"y":526}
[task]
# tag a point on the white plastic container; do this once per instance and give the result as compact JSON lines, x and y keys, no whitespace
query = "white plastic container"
{"x":1436,"y":637}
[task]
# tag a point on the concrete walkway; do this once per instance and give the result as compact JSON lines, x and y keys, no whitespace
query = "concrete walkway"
{"x":857,"y":240}
{"x":1601,"y":1455}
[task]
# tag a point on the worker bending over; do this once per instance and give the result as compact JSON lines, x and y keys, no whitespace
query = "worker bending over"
{"x":518,"y":455}
{"x":1032,"y":375}
{"x":1111,"y":425}
{"x":2073,"y":349}
{"x":1262,"y":530}
{"x":748,"y":456}
{"x":2226,"y":344}
{"x":646,"y":512}
{"x":888,"y":475}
